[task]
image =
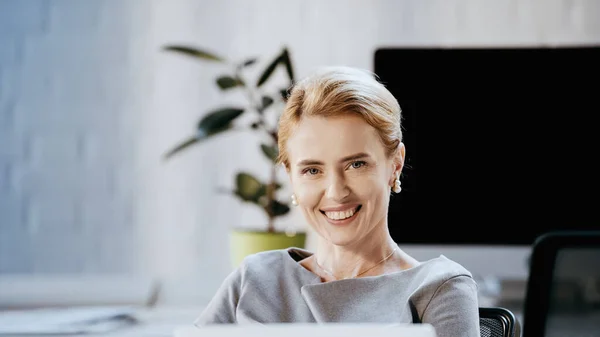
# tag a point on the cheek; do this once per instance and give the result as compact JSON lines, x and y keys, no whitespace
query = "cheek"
{"x":308,"y":194}
{"x":364,"y":185}
{"x":369,"y":185}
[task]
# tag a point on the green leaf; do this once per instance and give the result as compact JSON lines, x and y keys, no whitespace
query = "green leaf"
{"x":228,"y":82}
{"x":248,"y":187}
{"x":268,"y":71}
{"x":285,"y":58}
{"x":213,"y":123}
{"x":277,"y":208}
{"x":276,"y":186}
{"x":266,"y":101}
{"x":284,"y":94}
{"x":248,"y":62}
{"x":180,"y":147}
{"x":217,"y":121}
{"x":271,"y":152}
{"x":194,"y":52}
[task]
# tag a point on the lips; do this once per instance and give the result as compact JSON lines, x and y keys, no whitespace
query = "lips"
{"x":341,"y":214}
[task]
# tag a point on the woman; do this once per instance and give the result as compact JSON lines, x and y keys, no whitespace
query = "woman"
{"x":340,"y":141}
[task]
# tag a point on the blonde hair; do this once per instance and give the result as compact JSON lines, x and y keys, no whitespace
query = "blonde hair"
{"x":335,"y":91}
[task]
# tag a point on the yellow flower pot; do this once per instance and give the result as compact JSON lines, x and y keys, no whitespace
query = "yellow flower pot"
{"x":244,"y":243}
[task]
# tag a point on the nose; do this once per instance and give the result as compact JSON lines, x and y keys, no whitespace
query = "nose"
{"x":338,"y":189}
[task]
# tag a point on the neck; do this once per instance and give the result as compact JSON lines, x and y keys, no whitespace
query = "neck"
{"x":351,"y":260}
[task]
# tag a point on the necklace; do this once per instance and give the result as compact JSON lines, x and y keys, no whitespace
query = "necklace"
{"x":362,"y":272}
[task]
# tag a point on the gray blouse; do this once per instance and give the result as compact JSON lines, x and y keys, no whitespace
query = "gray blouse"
{"x":272,"y":287}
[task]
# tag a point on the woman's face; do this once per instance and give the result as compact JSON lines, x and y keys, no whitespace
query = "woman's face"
{"x":341,"y":176}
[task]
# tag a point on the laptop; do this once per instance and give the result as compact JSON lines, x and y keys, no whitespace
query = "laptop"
{"x":308,"y":329}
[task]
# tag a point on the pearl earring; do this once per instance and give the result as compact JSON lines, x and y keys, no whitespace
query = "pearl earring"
{"x":397,"y":188}
{"x":294,"y":200}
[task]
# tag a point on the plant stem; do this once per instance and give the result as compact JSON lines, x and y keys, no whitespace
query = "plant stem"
{"x":253,"y":102}
{"x":273,"y":134}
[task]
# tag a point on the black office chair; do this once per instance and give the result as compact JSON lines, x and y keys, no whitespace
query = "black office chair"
{"x":562,"y":297}
{"x":497,"y":322}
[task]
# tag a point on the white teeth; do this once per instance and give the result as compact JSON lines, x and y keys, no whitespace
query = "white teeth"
{"x":340,"y":215}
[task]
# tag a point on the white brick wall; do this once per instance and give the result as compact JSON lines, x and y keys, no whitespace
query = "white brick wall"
{"x":88,"y":103}
{"x":65,"y":75}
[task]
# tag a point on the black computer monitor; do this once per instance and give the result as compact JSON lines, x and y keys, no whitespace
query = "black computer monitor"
{"x":502,"y":143}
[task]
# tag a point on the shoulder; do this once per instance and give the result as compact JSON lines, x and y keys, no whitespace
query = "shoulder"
{"x":263,"y":264}
{"x":447,"y":286}
{"x":264,"y":260}
{"x":432,"y":274}
{"x":443,"y":268}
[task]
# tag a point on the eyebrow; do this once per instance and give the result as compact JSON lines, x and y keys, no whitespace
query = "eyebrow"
{"x":308,"y":162}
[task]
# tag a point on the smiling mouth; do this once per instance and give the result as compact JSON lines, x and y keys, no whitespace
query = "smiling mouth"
{"x":338,"y":216}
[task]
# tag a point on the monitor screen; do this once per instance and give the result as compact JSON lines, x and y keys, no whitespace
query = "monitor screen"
{"x":502,"y":144}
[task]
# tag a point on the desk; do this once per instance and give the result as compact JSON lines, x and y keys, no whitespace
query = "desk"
{"x":152,"y":322}
{"x":161,"y":321}
{"x":158,"y":322}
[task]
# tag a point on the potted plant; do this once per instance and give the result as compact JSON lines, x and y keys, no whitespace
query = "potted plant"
{"x":248,"y":188}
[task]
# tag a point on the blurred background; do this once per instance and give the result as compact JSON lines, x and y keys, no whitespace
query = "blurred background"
{"x":90,"y":101}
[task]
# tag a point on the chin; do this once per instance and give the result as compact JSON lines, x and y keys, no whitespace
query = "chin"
{"x":342,"y":235}
{"x":341,"y":240}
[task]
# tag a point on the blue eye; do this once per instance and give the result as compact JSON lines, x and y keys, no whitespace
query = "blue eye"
{"x":358,"y":164}
{"x":311,"y":171}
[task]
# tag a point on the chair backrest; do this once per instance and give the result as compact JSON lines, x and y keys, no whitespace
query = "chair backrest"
{"x":497,"y":322}
{"x":563,"y":290}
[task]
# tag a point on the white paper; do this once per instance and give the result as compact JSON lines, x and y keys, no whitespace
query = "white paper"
{"x":75,"y":320}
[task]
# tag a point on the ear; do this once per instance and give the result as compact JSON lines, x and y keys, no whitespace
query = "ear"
{"x":398,"y":162}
